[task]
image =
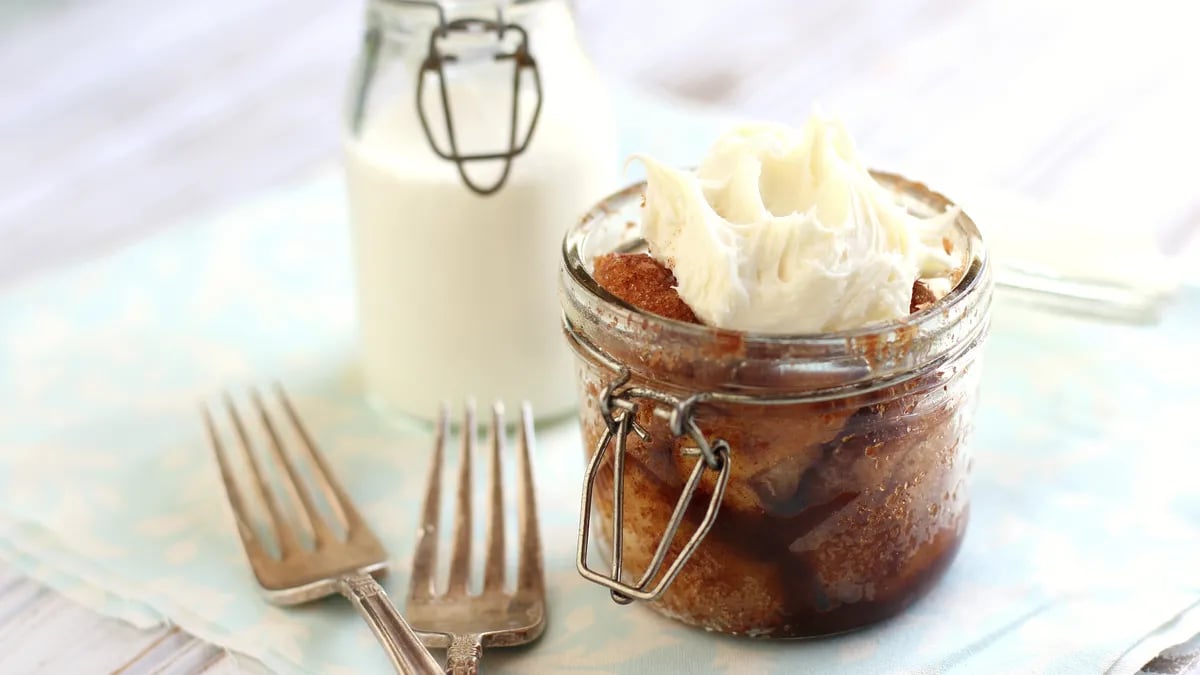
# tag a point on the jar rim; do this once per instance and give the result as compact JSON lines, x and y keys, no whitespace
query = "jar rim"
{"x":975,"y":274}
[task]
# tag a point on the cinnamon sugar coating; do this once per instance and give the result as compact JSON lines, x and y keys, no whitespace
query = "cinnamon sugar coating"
{"x":644,"y":283}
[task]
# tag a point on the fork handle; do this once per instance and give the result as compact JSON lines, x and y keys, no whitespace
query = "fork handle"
{"x":402,"y":645}
{"x":462,"y":657}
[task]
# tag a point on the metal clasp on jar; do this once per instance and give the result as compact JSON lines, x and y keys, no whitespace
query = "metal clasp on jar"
{"x":434,"y":64}
{"x":619,"y":404}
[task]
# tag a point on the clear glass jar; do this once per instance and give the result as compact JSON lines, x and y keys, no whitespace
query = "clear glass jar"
{"x":456,"y":235}
{"x":836,"y":492}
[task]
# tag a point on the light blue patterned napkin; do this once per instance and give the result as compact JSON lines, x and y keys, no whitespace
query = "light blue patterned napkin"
{"x":1083,"y":552}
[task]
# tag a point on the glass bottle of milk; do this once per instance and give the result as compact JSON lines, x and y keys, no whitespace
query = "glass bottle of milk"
{"x":476,"y":133}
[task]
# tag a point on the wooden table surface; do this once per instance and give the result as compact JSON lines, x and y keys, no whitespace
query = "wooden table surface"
{"x":122,"y":117}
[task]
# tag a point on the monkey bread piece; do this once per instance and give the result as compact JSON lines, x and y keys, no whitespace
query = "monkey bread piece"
{"x":641,"y":281}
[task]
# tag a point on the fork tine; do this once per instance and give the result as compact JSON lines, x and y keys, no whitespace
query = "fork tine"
{"x":493,"y":569}
{"x":460,"y":557}
{"x":529,"y":567}
{"x":284,"y":533}
{"x":241,"y":515}
{"x":322,"y":534}
{"x":421,"y":585}
{"x":335,"y":494}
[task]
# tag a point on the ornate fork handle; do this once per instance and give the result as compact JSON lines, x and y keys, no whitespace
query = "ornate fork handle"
{"x":402,"y":645}
{"x":462,"y":657}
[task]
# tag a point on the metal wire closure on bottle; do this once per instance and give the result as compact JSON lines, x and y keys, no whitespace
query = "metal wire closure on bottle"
{"x":434,"y":65}
{"x":619,"y":404}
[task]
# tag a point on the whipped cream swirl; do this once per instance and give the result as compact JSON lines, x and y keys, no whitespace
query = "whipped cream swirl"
{"x":784,"y":231}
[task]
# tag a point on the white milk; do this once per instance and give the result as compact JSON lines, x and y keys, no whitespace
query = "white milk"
{"x":456,"y":291}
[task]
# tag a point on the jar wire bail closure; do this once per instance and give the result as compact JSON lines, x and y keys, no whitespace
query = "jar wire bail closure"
{"x":619,"y":405}
{"x":434,"y":65}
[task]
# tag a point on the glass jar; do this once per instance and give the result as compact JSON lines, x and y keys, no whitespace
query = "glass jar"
{"x":474,"y":131}
{"x":781,"y":486}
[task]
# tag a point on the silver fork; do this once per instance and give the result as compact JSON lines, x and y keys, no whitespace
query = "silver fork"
{"x":458,"y":620}
{"x":334,"y":563}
